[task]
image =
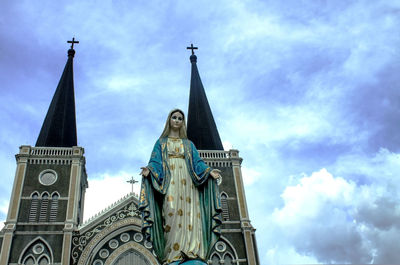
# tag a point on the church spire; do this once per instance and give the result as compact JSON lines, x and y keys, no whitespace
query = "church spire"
{"x":59,"y":126}
{"x":201,"y":129}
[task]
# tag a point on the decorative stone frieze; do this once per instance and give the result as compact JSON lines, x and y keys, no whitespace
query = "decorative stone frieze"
{"x":83,"y":244}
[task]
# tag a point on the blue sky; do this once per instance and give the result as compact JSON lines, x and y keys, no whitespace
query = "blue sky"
{"x":308,"y":91}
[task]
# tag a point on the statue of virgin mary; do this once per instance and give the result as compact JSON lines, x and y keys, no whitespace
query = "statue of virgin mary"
{"x":179,"y":198}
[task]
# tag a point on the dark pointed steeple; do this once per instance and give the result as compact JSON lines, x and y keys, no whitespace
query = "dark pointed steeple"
{"x":201,"y":128}
{"x":59,"y":126}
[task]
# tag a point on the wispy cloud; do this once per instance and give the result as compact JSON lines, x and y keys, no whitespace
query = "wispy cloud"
{"x":296,"y":86}
{"x":96,"y":201}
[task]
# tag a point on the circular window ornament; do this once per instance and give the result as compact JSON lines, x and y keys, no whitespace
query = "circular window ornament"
{"x":148,"y":244}
{"x":47,"y":177}
{"x":125,"y":237}
{"x":113,"y":243}
{"x":104,"y":253}
{"x":98,"y":262}
{"x":138,"y":237}
{"x":220,"y":246}
{"x":38,"y":249}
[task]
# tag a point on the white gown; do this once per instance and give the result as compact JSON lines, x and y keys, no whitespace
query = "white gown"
{"x":181,"y":209}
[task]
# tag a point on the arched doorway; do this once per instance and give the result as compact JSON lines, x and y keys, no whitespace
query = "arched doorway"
{"x":131,"y":257}
{"x":131,"y":253}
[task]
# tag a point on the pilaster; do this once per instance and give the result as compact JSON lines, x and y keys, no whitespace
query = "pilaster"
{"x":67,"y":243}
{"x":71,"y":222}
{"x":22,"y":161}
{"x":15,"y":200}
{"x":246,"y":227}
{"x":75,"y":181}
{"x":7,"y":241}
{"x":236,"y":164}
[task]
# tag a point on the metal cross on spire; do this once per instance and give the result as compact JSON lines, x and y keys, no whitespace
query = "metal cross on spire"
{"x":73,"y":41}
{"x":132,"y":181}
{"x":192,"y":48}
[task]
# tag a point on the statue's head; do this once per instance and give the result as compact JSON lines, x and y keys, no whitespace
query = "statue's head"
{"x":176,"y":119}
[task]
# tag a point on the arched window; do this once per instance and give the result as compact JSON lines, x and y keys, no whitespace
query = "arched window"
{"x":34,"y":207}
{"x":228,"y":260}
{"x":131,"y":257}
{"x":43,"y":260}
{"x":215,"y":259}
{"x":227,"y":255}
{"x":224,"y":204}
{"x":43,"y":207}
{"x":54,"y":207}
{"x":37,"y":252}
{"x":30,"y":261}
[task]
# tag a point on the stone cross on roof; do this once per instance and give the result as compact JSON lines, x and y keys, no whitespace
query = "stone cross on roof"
{"x":132,"y":181}
{"x":192,"y":48}
{"x":73,"y":41}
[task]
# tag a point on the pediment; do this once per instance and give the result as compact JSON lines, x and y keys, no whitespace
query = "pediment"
{"x":120,"y":221}
{"x":125,"y":207}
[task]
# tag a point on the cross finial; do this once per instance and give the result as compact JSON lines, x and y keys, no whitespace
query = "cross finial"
{"x":192,"y":48}
{"x":73,"y":41}
{"x":132,"y":181}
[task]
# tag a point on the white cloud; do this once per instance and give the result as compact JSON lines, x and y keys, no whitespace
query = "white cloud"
{"x":107,"y":189}
{"x":306,"y":200}
{"x":250,"y":176}
{"x":282,"y":255}
{"x":4,"y":207}
{"x":227,"y":145}
{"x":317,"y":218}
{"x":336,"y":220}
{"x":4,"y":210}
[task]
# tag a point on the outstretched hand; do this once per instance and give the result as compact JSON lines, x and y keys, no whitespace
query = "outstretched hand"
{"x":145,"y":171}
{"x":216,"y":173}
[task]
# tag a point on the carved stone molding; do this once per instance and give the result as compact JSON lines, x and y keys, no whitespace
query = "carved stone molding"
{"x":82,"y":245}
{"x":131,"y":245}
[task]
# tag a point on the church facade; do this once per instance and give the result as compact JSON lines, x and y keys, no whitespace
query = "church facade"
{"x":45,"y":218}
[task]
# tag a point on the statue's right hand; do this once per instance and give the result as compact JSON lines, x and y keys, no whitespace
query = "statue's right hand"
{"x":145,"y":171}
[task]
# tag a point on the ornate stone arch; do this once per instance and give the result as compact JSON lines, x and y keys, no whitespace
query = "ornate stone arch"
{"x":35,"y":193}
{"x":40,"y":258}
{"x":228,"y":256}
{"x":224,"y":247}
{"x":112,"y":234}
{"x":25,"y":260}
{"x":215,"y":258}
{"x":32,"y":250}
{"x":55,"y":193}
{"x":148,"y":258}
{"x":45,"y":193}
{"x":117,"y":228}
{"x":235,"y":255}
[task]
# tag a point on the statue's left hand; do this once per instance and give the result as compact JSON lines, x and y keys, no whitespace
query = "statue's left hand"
{"x":216,"y":173}
{"x":145,"y":171}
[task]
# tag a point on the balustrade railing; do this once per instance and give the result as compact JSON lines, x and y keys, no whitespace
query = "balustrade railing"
{"x":51,"y":151}
{"x":213,"y":154}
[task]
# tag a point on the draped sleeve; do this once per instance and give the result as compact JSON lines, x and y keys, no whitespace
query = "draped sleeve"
{"x":198,"y":169}
{"x":158,"y":166}
{"x":151,"y":197}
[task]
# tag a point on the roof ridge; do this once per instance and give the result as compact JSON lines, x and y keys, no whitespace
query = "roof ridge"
{"x":108,"y":208}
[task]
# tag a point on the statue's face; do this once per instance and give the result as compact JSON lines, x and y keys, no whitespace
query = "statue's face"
{"x":176,"y":120}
